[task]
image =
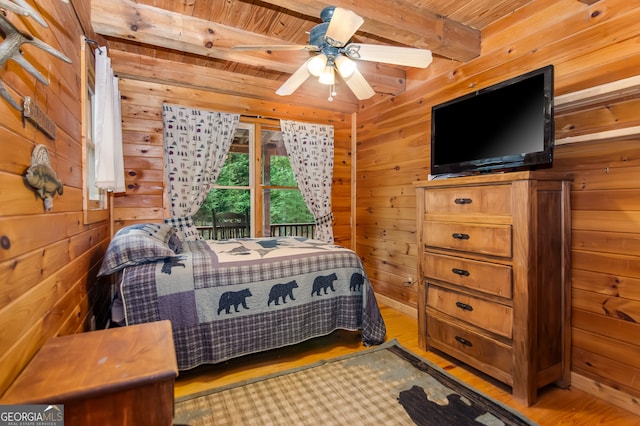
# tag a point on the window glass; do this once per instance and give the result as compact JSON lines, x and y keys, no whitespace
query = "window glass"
{"x":276,"y":170}
{"x":92,"y":189}
{"x":94,"y":200}
{"x":270,"y":199}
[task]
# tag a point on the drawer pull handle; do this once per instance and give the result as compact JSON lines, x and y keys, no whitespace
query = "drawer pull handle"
{"x":463,"y":201}
{"x":461,"y":272}
{"x":464,"y":306}
{"x":459,"y":236}
{"x":464,"y":341}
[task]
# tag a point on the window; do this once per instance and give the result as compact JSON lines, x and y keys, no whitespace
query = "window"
{"x":269,"y":200}
{"x":94,"y":200}
{"x":284,"y":210}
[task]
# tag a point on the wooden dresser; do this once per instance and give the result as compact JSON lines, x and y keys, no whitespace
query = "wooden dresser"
{"x":494,"y":266}
{"x":121,"y":376}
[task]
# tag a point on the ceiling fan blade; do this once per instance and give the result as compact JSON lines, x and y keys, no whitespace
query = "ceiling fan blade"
{"x":343,"y":25}
{"x":359,"y":86}
{"x":295,"y":81}
{"x":407,"y":56}
{"x":276,"y":47}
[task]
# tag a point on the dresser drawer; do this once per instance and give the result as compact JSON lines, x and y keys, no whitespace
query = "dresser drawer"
{"x":481,"y":352}
{"x":493,"y":317}
{"x":487,"y":199}
{"x":474,"y":238}
{"x":490,"y":278}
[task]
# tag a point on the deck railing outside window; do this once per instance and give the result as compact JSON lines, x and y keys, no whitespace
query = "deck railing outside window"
{"x":293,"y":230}
{"x":306,"y":230}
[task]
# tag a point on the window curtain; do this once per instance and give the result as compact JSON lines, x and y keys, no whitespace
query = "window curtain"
{"x":107,"y":128}
{"x":196,"y":143}
{"x":310,"y":150}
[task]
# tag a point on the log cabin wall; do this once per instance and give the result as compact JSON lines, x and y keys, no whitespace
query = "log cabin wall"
{"x":48,"y":259}
{"x":144,"y":152}
{"x":589,"y":45}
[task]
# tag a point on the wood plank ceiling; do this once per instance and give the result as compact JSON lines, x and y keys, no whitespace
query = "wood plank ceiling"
{"x":200,"y":33}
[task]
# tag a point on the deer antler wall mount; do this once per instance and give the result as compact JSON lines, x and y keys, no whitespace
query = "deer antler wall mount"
{"x":14,"y":39}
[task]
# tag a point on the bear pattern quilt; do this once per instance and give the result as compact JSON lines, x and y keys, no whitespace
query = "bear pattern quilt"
{"x":235,"y":297}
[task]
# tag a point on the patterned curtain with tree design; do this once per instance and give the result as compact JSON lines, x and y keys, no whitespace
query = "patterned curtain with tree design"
{"x":310,"y":150}
{"x":196,"y":143}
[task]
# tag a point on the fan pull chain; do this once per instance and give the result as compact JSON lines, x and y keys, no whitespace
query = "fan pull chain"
{"x":332,"y":92}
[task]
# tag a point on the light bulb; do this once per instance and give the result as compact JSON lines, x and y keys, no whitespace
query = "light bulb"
{"x":317,"y":64}
{"x":327,"y":76}
{"x":345,"y":66}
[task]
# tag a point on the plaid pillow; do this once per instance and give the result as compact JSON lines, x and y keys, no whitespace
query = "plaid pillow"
{"x":132,"y":249}
{"x":160,"y":231}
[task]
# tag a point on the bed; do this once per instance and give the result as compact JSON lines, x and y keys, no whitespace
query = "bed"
{"x":235,"y":297}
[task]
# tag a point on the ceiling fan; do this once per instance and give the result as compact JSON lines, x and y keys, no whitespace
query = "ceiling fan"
{"x":331,"y":40}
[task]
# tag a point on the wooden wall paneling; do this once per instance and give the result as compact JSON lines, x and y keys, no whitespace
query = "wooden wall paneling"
{"x":601,"y":66}
{"x":83,"y":10}
{"x":25,"y":233}
{"x":612,"y":306}
{"x":48,"y":260}
{"x":602,"y":325}
{"x":605,"y":255}
{"x":558,"y":39}
{"x":144,"y":153}
{"x":604,"y":282}
{"x":607,"y":242}
{"x":579,"y":34}
{"x":37,"y":303}
{"x":134,"y":137}
{"x":603,"y":118}
{"x":601,"y":162}
{"x":19,"y":273}
{"x":619,"y":375}
{"x":152,"y":95}
{"x":38,"y":314}
{"x":613,"y":199}
{"x":611,"y":263}
{"x":612,"y":361}
{"x":586,"y":48}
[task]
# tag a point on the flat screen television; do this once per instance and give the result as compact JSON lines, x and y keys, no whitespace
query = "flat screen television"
{"x":504,"y":127}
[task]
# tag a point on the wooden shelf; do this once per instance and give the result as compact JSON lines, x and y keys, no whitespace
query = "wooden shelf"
{"x":596,"y":97}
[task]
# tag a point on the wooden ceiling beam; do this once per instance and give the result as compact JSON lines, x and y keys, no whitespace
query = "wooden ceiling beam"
{"x":136,"y":67}
{"x":127,"y":20}
{"x":398,"y":21}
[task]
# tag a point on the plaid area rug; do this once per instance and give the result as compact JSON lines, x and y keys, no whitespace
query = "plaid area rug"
{"x":384,"y":385}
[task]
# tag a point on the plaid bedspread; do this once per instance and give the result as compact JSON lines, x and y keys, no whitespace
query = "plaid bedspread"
{"x":231,"y":298}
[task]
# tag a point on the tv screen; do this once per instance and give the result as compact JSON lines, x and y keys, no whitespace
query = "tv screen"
{"x":507,"y":126}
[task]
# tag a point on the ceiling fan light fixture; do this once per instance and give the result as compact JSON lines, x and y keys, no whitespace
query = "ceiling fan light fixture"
{"x":345,"y":66}
{"x":328,"y":76}
{"x":317,"y":64}
{"x":330,"y":41}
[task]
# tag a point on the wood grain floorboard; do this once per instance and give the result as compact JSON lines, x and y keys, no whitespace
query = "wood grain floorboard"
{"x":555,"y":406}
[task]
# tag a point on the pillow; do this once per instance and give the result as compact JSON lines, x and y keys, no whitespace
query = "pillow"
{"x":132,"y":249}
{"x":160,"y":231}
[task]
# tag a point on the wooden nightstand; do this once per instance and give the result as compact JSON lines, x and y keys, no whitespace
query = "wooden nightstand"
{"x":119,"y":376}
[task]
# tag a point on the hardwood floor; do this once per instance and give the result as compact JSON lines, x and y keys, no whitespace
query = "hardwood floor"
{"x":555,"y":406}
